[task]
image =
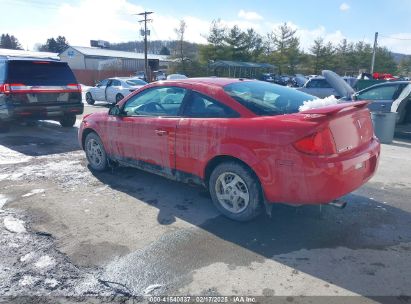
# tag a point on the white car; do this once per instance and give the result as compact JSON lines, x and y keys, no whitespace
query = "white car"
{"x":176,"y":77}
{"x":113,"y":90}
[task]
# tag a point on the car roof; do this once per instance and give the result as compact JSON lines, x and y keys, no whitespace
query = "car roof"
{"x":217,"y":81}
{"x":386,"y":83}
{"x":19,"y":58}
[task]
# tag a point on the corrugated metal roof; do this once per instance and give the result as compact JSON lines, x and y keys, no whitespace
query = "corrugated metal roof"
{"x":94,"y":51}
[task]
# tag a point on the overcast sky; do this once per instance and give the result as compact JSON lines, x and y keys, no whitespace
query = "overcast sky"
{"x":33,"y":21}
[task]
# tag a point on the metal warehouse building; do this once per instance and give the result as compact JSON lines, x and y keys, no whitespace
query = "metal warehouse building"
{"x":91,"y":64}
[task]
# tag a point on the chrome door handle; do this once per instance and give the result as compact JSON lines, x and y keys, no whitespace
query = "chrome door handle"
{"x":161,"y":132}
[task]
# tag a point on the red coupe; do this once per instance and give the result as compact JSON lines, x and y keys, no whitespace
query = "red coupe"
{"x":244,"y":140}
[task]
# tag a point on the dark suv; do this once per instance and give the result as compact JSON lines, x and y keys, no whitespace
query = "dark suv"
{"x":37,"y":88}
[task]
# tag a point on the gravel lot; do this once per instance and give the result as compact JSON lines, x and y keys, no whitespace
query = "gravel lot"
{"x":66,"y":231}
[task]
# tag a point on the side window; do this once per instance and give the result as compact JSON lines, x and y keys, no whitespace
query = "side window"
{"x":157,"y":101}
{"x":206,"y":107}
{"x":2,"y":71}
{"x":115,"y":83}
{"x":102,"y":83}
{"x":380,"y":93}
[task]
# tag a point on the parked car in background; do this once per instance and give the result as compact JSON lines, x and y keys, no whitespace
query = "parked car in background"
{"x":392,"y":96}
{"x":245,"y":140}
{"x":176,"y":76}
{"x":269,"y":77}
{"x":320,"y":87}
{"x":113,"y":90}
{"x":38,"y":88}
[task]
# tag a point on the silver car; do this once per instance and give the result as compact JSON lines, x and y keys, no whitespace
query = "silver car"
{"x":113,"y":90}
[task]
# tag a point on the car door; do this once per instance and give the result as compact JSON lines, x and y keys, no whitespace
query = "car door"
{"x":205,"y":126}
{"x":382,"y":96}
{"x":99,"y":91}
{"x":144,"y":134}
{"x":113,"y":87}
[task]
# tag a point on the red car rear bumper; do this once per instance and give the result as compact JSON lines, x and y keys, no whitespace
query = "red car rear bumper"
{"x":314,"y":180}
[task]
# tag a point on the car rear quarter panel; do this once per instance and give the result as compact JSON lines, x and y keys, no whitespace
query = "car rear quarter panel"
{"x":259,"y":142}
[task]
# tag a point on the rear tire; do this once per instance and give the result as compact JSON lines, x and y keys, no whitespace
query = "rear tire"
{"x":95,"y":152}
{"x":236,"y":191}
{"x":68,"y":121}
{"x":119,"y":97}
{"x":89,"y":99}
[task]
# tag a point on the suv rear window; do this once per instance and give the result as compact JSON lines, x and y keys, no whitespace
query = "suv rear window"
{"x":264,"y":98}
{"x":2,"y":71}
{"x":40,"y":73}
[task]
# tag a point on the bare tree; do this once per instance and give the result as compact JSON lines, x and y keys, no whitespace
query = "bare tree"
{"x":180,"y":31}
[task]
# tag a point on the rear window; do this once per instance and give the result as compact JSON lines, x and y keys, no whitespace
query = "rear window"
{"x":40,"y":73}
{"x":134,"y":82}
{"x":318,"y":83}
{"x":2,"y":71}
{"x":264,"y":98}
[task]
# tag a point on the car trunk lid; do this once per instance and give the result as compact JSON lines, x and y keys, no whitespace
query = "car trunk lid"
{"x":350,"y":124}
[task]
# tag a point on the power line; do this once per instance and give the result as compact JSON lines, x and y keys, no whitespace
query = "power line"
{"x":145,"y":20}
{"x":396,"y":38}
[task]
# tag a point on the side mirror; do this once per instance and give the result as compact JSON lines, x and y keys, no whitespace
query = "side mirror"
{"x":114,"y":110}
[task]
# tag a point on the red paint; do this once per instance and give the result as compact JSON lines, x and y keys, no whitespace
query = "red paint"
{"x":304,"y":158}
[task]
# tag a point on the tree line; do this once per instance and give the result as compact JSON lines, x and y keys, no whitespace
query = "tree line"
{"x":281,"y":47}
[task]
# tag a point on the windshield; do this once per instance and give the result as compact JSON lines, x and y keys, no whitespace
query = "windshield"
{"x":135,"y":82}
{"x":264,"y":98}
{"x":40,"y":73}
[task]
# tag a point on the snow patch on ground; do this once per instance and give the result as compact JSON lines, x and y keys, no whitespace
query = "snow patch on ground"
{"x":318,"y":103}
{"x":67,"y":173}
{"x":14,"y":225}
{"x":28,"y":280}
{"x":28,"y":257}
{"x":3,"y":200}
{"x":33,"y":192}
{"x":45,"y":261}
{"x":151,"y":288}
{"x":51,"y":282}
{"x":9,"y":156}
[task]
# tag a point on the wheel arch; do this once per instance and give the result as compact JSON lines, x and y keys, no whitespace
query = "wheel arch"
{"x":84,"y":134}
{"x":215,"y":161}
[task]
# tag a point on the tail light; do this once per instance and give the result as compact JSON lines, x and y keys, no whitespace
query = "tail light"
{"x":74,"y":87}
{"x":4,"y":88}
{"x":24,"y":89}
{"x":319,"y":143}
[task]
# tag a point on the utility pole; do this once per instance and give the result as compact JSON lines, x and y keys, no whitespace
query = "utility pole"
{"x":373,"y":52}
{"x":145,"y":20}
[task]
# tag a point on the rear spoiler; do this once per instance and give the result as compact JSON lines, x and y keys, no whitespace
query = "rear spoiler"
{"x":334,"y":109}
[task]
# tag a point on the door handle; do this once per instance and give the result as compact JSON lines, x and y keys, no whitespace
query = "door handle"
{"x":161,"y":132}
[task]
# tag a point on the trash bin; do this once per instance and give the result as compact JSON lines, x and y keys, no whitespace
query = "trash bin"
{"x":384,"y":125}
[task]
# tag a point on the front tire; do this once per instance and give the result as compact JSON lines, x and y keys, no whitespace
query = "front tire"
{"x":95,"y":153}
{"x":68,"y":121}
{"x":89,"y":99}
{"x":236,"y":191}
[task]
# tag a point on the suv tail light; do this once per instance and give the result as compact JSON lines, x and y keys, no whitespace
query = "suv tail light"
{"x":319,"y":143}
{"x":75,"y":87}
{"x":4,"y":88}
{"x":22,"y":88}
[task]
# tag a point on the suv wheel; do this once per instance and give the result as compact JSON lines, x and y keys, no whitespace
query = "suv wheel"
{"x":89,"y":99}
{"x":68,"y":121}
{"x":95,"y":153}
{"x":235,"y":191}
{"x":119,"y":97}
